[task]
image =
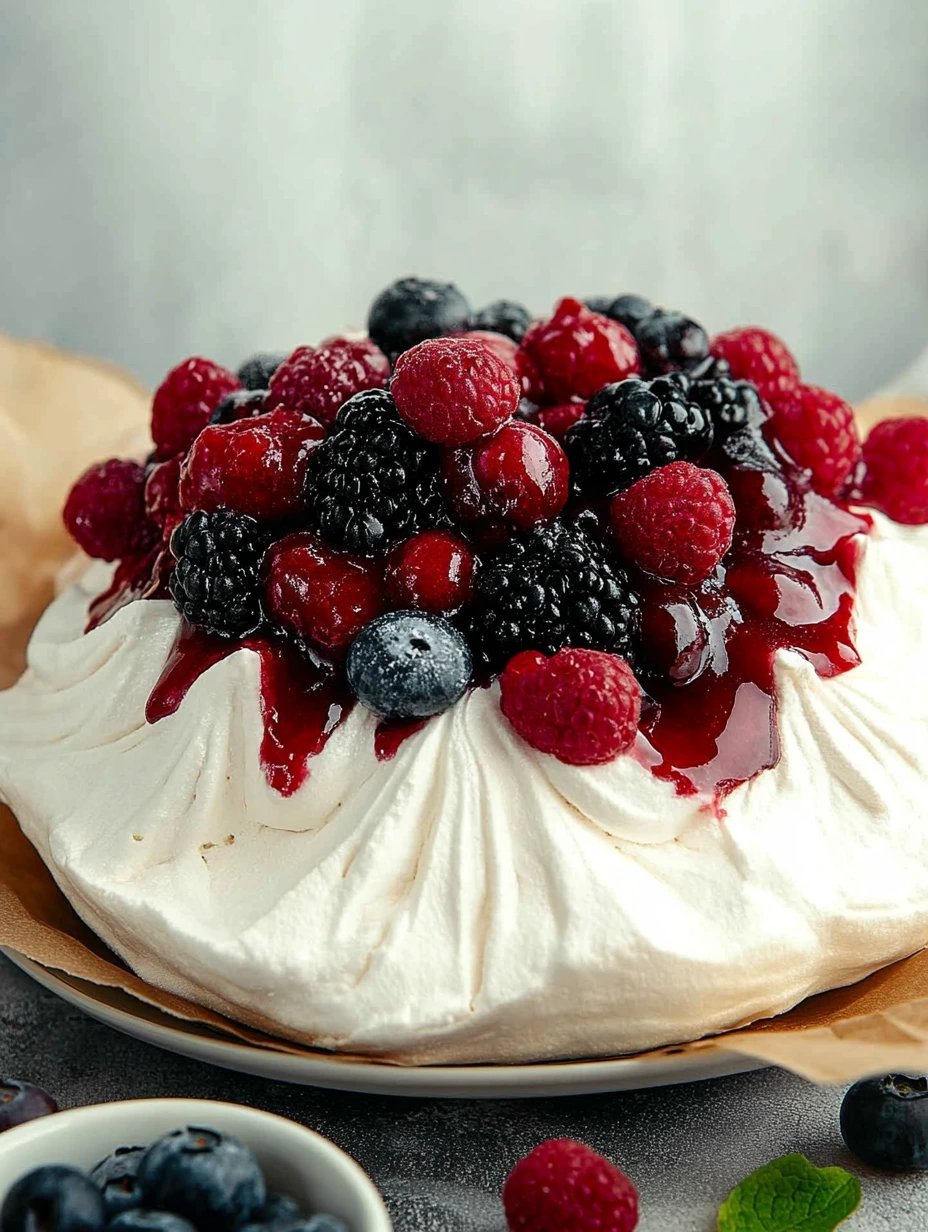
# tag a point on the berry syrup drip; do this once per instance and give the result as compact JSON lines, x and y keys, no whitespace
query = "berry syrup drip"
{"x":713,"y":721}
{"x":301,"y":703}
{"x":391,"y":734}
{"x":136,"y":577}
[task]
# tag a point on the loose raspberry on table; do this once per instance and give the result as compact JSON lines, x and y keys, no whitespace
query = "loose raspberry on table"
{"x":563,"y":1186}
{"x":184,"y":401}
{"x":323,"y":597}
{"x":818,"y":430}
{"x":105,"y":511}
{"x":577,"y":352}
{"x":676,"y":523}
{"x":317,"y":381}
{"x":895,"y":470}
{"x":432,"y":572}
{"x":516,"y":479}
{"x":452,"y":391}
{"x":255,"y":466}
{"x":756,"y":355}
{"x":558,"y":420}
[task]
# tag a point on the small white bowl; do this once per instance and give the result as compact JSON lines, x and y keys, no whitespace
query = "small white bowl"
{"x":295,"y":1160}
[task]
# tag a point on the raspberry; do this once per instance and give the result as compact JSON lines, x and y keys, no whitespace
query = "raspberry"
{"x":517,"y":478}
{"x":318,"y":381}
{"x":215,"y":580}
{"x":676,"y":523}
{"x":184,"y":401}
{"x":895,"y":475}
{"x":558,"y":420}
{"x":413,"y":309}
{"x":577,"y":352}
{"x":319,"y":595}
{"x":162,"y":495}
{"x":105,"y":511}
{"x":515,"y":359}
{"x":454,"y":390}
{"x":503,"y":316}
{"x":669,"y":341}
{"x":563,"y":1186}
{"x":256,"y":466}
{"x":758,"y":356}
{"x":432,"y":572}
{"x":818,"y":431}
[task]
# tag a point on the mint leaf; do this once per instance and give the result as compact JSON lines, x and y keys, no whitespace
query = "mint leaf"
{"x":790,"y":1195}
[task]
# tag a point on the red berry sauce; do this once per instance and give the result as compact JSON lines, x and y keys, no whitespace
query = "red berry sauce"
{"x":391,"y":734}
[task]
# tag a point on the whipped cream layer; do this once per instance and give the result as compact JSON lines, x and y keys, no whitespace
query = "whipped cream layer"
{"x":473,"y":899}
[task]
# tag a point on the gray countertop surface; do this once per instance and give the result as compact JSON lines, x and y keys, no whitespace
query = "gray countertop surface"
{"x":441,"y":1163}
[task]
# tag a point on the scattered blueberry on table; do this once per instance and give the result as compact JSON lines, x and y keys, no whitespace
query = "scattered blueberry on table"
{"x":21,"y":1102}
{"x":884,"y":1122}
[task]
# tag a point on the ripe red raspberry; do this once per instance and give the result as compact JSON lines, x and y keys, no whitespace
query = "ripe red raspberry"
{"x":581,"y":705}
{"x":162,"y":495}
{"x":454,"y":390}
{"x":323,"y":597}
{"x":895,"y":470}
{"x":757,"y":355}
{"x":563,"y":1186}
{"x":432,"y":572}
{"x":558,"y":420}
{"x":105,"y":511}
{"x":254,"y":466}
{"x":577,"y":352}
{"x":676,"y":522}
{"x":318,"y":380}
{"x":184,"y":401}
{"x":818,"y":431}
{"x":518,"y":478}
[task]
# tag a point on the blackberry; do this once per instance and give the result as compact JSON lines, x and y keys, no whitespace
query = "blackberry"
{"x":632,"y":427}
{"x":503,"y":316}
{"x":669,"y":342}
{"x":413,"y":309}
{"x":731,"y":404}
{"x":215,"y":582}
{"x":552,"y":588}
{"x":240,"y":404}
{"x":372,"y":482}
{"x":257,"y":370}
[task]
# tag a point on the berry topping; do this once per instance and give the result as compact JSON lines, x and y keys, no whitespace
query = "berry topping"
{"x":895,"y":470}
{"x":323,"y":597}
{"x":503,"y":316}
{"x":215,"y":582}
{"x":454,"y":390}
{"x":884,"y":1122}
{"x":240,"y":404}
{"x":256,"y":466}
{"x":515,"y":479}
{"x":318,"y":381}
{"x":633,"y":427}
{"x":577,"y":352}
{"x":628,"y":310}
{"x":211,"y":1179}
{"x":563,"y":1186}
{"x":408,"y":665}
{"x":257,"y":370}
{"x":767,"y":493}
{"x":21,"y":1102}
{"x":581,"y":705}
{"x":184,"y":401}
{"x":432,"y":572}
{"x":669,"y":341}
{"x":53,"y":1198}
{"x":413,"y":309}
{"x":818,"y":431}
{"x":758,"y":356}
{"x":730,"y":404}
{"x":162,"y":495}
{"x":372,"y":482}
{"x":551,"y":588}
{"x":117,"y":1179}
{"x":676,"y":523}
{"x":558,"y":420}
{"x":105,"y":510}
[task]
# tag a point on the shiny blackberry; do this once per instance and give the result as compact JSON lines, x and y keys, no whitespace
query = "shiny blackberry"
{"x":670,"y":342}
{"x":503,"y":316}
{"x":549,"y":589}
{"x":372,"y":482}
{"x":731,"y":404}
{"x":215,"y":581}
{"x":413,"y":309}
{"x":632,"y":427}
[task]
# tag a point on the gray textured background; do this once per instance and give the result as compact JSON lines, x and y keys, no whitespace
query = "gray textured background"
{"x":441,"y":1163}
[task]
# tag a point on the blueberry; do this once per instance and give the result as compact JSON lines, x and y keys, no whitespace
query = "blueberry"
{"x":150,"y":1221}
{"x":503,"y":316}
{"x":53,"y":1199}
{"x":599,"y":303}
{"x":279,"y":1209}
{"x":669,"y":341}
{"x":325,"y":1223}
{"x":630,"y":310}
{"x":409,"y":665}
{"x":209,"y":1178}
{"x":21,"y":1102}
{"x":884,"y":1121}
{"x":413,"y":309}
{"x":240,"y":404}
{"x":257,"y":370}
{"x":117,"y":1179}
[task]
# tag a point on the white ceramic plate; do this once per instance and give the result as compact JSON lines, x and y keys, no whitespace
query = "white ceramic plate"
{"x":448,"y":1081}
